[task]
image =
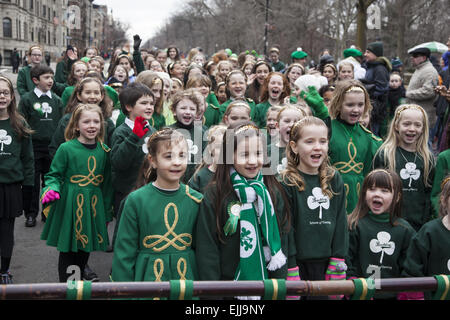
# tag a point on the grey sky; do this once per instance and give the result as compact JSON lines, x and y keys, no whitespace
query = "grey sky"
{"x":144,"y":16}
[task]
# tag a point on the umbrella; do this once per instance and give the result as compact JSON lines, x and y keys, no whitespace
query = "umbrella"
{"x":433,"y":46}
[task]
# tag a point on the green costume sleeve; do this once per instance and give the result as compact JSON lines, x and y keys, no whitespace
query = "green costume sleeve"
{"x":58,"y":136}
{"x":67,"y":93}
{"x":315,"y":102}
{"x":352,"y":259}
{"x":27,"y":157}
{"x":212,"y":99}
{"x":339,"y":246}
{"x":126,"y":247}
{"x":137,"y":59}
{"x":409,"y":234}
{"x":441,"y":171}
{"x":416,"y":257}
{"x":22,"y":86}
{"x":125,"y":150}
{"x":54,"y":179}
{"x":107,"y":189}
{"x":207,"y":244}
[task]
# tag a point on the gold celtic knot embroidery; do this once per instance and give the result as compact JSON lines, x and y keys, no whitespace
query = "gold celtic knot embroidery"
{"x":78,"y":223}
{"x":170,"y":232}
{"x":83,"y":181}
{"x":351,"y":165}
{"x":182,"y":272}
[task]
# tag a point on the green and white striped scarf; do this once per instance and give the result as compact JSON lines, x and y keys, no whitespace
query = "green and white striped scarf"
{"x":258,"y":227}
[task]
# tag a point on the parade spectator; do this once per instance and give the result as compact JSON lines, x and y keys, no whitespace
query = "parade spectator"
{"x":376,"y":82}
{"x":354,"y":56}
{"x":421,"y":86}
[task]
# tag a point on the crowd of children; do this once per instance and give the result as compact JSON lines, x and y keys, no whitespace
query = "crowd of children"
{"x":221,"y":169}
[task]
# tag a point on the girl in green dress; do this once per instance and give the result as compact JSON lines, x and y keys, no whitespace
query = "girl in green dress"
{"x":275,"y":90}
{"x":87,"y":91}
{"x":352,"y":147}
{"x":317,"y":200}
{"x":79,"y":191}
{"x":406,"y":152}
{"x":16,"y":172}
{"x":243,"y":229}
{"x":205,"y":171}
{"x":429,"y":252}
{"x":378,"y":237}
{"x":156,"y":232}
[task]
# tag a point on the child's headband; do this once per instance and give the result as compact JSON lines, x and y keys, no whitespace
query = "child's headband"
{"x":7,"y":80}
{"x":246,"y":128}
{"x":354,"y":89}
{"x":407,"y":107}
{"x":446,"y":180}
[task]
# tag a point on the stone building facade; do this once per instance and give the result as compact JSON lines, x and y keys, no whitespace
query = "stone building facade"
{"x":45,"y":22}
{"x":28,"y":22}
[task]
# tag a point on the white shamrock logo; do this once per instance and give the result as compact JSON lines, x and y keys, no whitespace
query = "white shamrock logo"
{"x":4,"y":139}
{"x":248,"y":239}
{"x":193,"y":149}
{"x":410,"y":172}
{"x":144,"y":146}
{"x":318,"y":200}
{"x":46,"y":109}
{"x":382,"y":244}
{"x":282,"y":166}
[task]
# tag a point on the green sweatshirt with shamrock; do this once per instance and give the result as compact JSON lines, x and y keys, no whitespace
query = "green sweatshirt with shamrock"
{"x":378,"y":248}
{"x":320,"y":222}
{"x":42,"y":114}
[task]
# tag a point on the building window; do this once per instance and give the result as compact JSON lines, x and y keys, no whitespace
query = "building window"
{"x":31,"y":4}
{"x":7,"y":28}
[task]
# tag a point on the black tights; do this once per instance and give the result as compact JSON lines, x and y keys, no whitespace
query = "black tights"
{"x":67,"y":259}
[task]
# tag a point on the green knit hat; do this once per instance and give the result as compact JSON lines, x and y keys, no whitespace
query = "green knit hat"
{"x":376,"y":48}
{"x":352,"y":52}
{"x":299,"y":55}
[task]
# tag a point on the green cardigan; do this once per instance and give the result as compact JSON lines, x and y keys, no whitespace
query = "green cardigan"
{"x":127,"y":157}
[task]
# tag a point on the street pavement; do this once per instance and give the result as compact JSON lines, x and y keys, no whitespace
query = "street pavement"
{"x":35,"y":262}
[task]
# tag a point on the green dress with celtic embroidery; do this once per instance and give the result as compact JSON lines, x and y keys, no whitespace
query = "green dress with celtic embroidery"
{"x":155,"y":235}
{"x":351,"y":152}
{"x":82,"y":177}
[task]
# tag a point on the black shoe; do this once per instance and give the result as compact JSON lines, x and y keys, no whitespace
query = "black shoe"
{"x":110,"y":248}
{"x":90,"y":275}
{"x":31,"y":222}
{"x":43,"y":218}
{"x":6,"y":278}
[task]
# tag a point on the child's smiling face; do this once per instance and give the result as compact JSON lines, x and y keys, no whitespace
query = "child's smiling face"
{"x":186,"y":111}
{"x":275,"y":87}
{"x":5,"y":96}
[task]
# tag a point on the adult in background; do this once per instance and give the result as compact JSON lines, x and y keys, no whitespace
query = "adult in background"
{"x":422,"y":84}
{"x":15,"y":61}
{"x":376,"y":82}
{"x":1,"y":59}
